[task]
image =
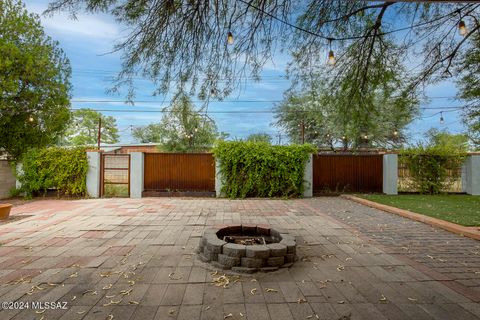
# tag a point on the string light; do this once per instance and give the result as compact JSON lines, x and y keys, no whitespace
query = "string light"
{"x":462,"y":28}
{"x":30,"y":119}
{"x":331,"y":56}
{"x":344,"y":138}
{"x":442,"y":121}
{"x":230,"y":38}
{"x":395,"y":133}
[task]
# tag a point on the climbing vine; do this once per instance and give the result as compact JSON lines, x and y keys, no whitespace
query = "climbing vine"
{"x":64,"y":170}
{"x":258,"y":169}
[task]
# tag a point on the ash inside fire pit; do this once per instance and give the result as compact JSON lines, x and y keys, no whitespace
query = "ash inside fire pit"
{"x":247,"y":248}
{"x":246,"y":240}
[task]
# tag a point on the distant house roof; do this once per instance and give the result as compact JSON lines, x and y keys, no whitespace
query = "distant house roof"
{"x":127,"y":148}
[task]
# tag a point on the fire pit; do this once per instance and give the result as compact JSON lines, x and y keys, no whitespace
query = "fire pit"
{"x":247,"y":248}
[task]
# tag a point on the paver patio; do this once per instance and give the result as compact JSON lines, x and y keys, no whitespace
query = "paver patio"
{"x":355,"y":262}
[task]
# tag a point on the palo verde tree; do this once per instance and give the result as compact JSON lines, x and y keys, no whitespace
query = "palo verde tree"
{"x":185,"y":129}
{"x":83,"y":128}
{"x":259,"y":137}
{"x":361,"y":35}
{"x":326,"y":116}
{"x":147,"y":134}
{"x":34,"y":82}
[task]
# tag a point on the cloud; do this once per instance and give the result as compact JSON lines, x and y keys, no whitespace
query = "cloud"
{"x":96,"y":26}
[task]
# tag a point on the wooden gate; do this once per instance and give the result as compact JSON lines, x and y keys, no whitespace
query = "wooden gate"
{"x":347,"y":173}
{"x":115,"y":175}
{"x":179,"y":174}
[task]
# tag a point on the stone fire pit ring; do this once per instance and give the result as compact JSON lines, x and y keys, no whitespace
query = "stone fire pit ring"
{"x":278,"y":252}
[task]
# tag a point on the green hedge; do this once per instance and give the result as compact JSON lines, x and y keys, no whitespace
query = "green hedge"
{"x":54,"y":168}
{"x":432,"y":168}
{"x":258,"y":169}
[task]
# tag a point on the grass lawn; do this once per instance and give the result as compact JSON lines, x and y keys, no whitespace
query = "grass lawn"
{"x":460,"y":209}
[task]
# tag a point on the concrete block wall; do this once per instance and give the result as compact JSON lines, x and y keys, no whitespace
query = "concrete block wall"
{"x":93,"y":174}
{"x":136,"y":174}
{"x":7,"y":179}
{"x":308,"y":178}
{"x":471,"y":173}
{"x":390,"y":173}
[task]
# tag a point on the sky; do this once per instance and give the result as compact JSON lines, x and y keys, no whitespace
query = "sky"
{"x":89,"y":39}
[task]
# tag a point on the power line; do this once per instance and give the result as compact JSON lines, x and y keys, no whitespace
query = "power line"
{"x":270,"y":111}
{"x":220,"y":101}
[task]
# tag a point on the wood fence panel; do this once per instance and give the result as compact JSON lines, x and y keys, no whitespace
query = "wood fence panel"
{"x":179,"y":172}
{"x":347,"y":173}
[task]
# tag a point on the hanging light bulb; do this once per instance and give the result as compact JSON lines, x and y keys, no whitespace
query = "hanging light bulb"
{"x":365,"y":137}
{"x":230,"y":38}
{"x":442,"y":121}
{"x":30,"y":119}
{"x":462,"y":28}
{"x":343,"y":137}
{"x":331,"y":58}
{"x":395,"y":133}
{"x":196,"y":129}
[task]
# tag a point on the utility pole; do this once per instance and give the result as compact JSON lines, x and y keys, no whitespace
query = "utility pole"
{"x":99,"y":132}
{"x":302,"y":131}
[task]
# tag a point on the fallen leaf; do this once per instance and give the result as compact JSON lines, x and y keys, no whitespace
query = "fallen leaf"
{"x":73,"y":275}
{"x":133,"y":302}
{"x":80,"y":312}
{"x":341,"y":301}
{"x":207,"y":308}
{"x":271,"y":290}
{"x":254,"y":280}
{"x":109,"y":317}
{"x":383,"y":298}
{"x":228,"y":316}
{"x":131,"y":282}
{"x":74,"y":297}
{"x":107,"y":287}
{"x":171,"y":276}
{"x":347,"y":259}
{"x":241,"y":314}
{"x":110,"y":296}
{"x":412,"y":299}
{"x":301,"y":300}
{"x":126,"y":292}
{"x":171,"y":311}
{"x":40,"y":311}
{"x":340,"y":267}
{"x":252,"y":292}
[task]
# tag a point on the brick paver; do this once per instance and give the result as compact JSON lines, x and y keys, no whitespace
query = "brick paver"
{"x":135,"y":259}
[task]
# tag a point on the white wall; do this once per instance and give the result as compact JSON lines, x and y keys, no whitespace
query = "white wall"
{"x":472,"y":175}
{"x":390,"y":173}
{"x":136,"y":174}
{"x":93,"y":174}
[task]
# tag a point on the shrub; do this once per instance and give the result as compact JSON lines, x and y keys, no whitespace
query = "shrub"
{"x":258,"y":169}
{"x":432,"y":168}
{"x":54,"y":168}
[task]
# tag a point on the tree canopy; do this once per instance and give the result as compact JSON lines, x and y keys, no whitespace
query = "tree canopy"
{"x":183,"y":128}
{"x":260,"y":137}
{"x":187,"y":42}
{"x":34,"y":82}
{"x":469,"y":87}
{"x":326,"y":116}
{"x":147,"y":134}
{"x":83,"y":128}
